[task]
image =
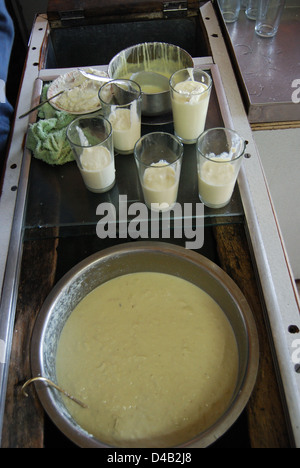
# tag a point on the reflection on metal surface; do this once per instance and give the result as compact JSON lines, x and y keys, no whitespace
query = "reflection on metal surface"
{"x":268,"y":67}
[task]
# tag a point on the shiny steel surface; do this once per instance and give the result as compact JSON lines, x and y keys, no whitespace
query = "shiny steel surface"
{"x":268,"y":67}
{"x":129,"y":258}
{"x":138,"y":57}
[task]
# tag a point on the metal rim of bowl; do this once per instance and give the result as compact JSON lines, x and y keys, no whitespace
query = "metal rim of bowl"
{"x":156,"y":104}
{"x":77,"y":434}
{"x":141,"y":45}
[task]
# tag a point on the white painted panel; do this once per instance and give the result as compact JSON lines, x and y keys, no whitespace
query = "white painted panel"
{"x":280,"y":154}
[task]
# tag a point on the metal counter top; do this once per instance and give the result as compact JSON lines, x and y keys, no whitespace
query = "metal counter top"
{"x":268,"y":68}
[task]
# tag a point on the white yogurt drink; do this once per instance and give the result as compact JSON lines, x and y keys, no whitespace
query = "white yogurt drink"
{"x":190,"y":104}
{"x":158,"y":157}
{"x":190,"y":95}
{"x":216,"y":181}
{"x":121,"y":102}
{"x":126,"y":124}
{"x":97,"y":168}
{"x":90,"y":138}
{"x":160,"y":186}
{"x":219,"y":158}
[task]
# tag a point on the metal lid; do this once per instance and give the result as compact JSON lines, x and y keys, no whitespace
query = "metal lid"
{"x":72,"y":12}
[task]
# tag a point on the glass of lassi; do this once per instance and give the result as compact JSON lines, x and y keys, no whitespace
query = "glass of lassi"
{"x":121,"y":102}
{"x":158,"y":157}
{"x":190,"y":95}
{"x":91,"y":141}
{"x":219,"y":157}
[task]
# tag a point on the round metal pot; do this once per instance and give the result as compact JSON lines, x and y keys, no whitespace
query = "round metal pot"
{"x":155,"y":57}
{"x":130,"y":258}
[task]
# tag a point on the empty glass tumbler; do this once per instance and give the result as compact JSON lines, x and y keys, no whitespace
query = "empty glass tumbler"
{"x":251,"y":9}
{"x":268,"y":17}
{"x":230,"y":10}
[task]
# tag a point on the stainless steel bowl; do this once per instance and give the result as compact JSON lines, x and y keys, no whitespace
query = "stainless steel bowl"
{"x":130,"y":258}
{"x":151,"y":56}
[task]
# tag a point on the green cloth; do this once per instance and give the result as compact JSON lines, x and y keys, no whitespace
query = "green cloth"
{"x":47,"y":137}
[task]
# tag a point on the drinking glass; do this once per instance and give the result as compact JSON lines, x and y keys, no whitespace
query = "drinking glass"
{"x":251,"y":9}
{"x":158,"y":157}
{"x":268,"y":17}
{"x":230,"y":10}
{"x":121,"y":102}
{"x":190,"y":95}
{"x":219,"y":158}
{"x":91,"y":141}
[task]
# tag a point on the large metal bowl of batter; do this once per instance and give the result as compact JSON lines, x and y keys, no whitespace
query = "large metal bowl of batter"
{"x":131,"y":258}
{"x":157,"y":57}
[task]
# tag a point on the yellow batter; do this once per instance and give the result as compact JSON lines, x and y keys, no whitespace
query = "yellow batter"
{"x":156,"y":60}
{"x":154,"y":358}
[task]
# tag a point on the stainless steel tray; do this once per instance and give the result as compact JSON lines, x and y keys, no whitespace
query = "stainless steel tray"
{"x":268,"y":67}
